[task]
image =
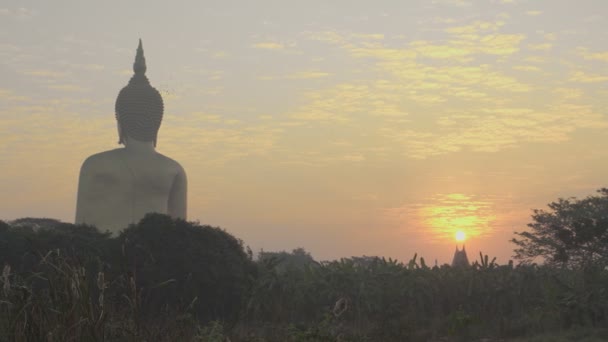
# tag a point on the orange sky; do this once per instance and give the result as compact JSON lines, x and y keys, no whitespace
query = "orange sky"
{"x":347,"y":128}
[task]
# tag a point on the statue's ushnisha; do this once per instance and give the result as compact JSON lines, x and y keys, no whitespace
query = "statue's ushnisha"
{"x":120,"y":186}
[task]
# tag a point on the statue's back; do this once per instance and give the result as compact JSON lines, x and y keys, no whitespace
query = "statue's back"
{"x":117,"y":188}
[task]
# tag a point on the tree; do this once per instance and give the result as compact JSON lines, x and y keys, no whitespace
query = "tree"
{"x":573,"y":233}
{"x":283,"y":261}
{"x":23,"y":242}
{"x":177,"y":264}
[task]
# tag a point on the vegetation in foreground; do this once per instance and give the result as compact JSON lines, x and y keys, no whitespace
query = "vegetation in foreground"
{"x":171,"y":280}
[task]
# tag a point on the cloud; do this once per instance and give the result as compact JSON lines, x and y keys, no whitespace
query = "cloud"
{"x":408,"y":84}
{"x":478,"y":38}
{"x":299,"y":75}
{"x":540,"y":47}
{"x":68,"y":88}
{"x":471,"y":90}
{"x":221,"y":54}
{"x":327,"y":36}
{"x":568,"y":93}
{"x":269,"y":46}
{"x":347,"y":101}
{"x":550,"y":36}
{"x":8,"y":95}
{"x":481,"y":129}
{"x":429,"y":50}
{"x":369,"y":36}
{"x":19,"y":13}
{"x":47,"y":73}
{"x":498,"y":129}
{"x":217,"y":140}
{"x":535,"y":59}
{"x":457,"y":3}
{"x":49,"y":135}
{"x":583,"y":77}
{"x":476,"y":27}
{"x":534,"y":13}
{"x":308,"y":75}
{"x":526,"y":68}
{"x":599,"y":56}
{"x":353,"y":158}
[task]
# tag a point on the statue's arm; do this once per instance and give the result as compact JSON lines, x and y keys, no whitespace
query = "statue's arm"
{"x":178,"y":197}
{"x":83,"y":188}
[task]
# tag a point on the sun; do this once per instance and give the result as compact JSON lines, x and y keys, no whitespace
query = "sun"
{"x":460,"y":236}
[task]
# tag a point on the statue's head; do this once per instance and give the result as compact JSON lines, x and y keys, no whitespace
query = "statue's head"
{"x":139,"y":107}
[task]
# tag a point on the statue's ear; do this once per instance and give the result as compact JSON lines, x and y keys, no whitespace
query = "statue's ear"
{"x":121,"y":136}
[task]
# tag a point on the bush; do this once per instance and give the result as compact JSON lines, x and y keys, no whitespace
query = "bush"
{"x":176,"y":263}
{"x":157,"y":276}
{"x":25,"y":241}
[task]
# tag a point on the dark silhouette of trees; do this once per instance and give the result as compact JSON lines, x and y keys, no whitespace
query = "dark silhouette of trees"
{"x":3,"y":226}
{"x":25,"y":241}
{"x":572,"y":233}
{"x":282,"y":261}
{"x":179,"y":264}
{"x":164,"y":265}
{"x":172,"y":280}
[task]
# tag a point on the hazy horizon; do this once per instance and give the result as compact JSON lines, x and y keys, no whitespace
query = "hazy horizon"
{"x":346,"y":128}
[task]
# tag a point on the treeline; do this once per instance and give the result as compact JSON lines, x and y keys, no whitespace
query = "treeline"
{"x":171,"y":280}
{"x":155,"y":281}
{"x":374,"y":299}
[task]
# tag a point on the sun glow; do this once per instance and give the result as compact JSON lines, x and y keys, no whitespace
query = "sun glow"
{"x":460,"y":236}
{"x":457,"y":216}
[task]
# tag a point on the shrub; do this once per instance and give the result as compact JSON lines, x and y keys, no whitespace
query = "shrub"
{"x":175,"y":263}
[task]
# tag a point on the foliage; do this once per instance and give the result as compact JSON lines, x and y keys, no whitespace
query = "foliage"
{"x":212,"y":332}
{"x":200,"y":267}
{"x":157,"y":281}
{"x":283,"y":261}
{"x":375,"y":299}
{"x":55,"y":299}
{"x":573,"y":233}
{"x":24,"y":241}
{"x":171,"y":280}
{"x":57,"y":302}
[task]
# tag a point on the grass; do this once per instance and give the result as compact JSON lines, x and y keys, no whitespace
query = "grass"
{"x":574,"y":334}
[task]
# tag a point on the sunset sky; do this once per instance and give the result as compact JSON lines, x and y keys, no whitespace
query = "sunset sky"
{"x":348,"y":128}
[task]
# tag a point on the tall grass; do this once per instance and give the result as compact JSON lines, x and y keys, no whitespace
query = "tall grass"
{"x":164,"y":281}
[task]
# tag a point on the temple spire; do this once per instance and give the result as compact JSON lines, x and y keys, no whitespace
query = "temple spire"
{"x":139,"y":66}
{"x":460,"y":258}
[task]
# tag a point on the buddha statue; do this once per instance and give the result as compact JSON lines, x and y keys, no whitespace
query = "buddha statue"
{"x":120,"y":186}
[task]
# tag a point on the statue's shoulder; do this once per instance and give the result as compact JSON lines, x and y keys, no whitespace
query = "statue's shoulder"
{"x":171,"y":163}
{"x":101,"y":160}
